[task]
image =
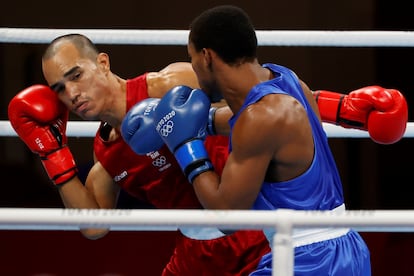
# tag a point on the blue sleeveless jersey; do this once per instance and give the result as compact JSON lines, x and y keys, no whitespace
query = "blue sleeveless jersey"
{"x":320,"y":187}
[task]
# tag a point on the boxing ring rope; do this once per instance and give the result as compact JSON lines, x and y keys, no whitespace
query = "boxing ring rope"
{"x":284,"y":221}
{"x":180,"y":37}
{"x":88,"y":129}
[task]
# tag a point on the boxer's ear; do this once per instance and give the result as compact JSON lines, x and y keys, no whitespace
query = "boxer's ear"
{"x":103,"y":61}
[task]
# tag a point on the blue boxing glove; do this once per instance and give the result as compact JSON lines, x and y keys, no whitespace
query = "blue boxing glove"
{"x":138,"y":127}
{"x":181,"y":118}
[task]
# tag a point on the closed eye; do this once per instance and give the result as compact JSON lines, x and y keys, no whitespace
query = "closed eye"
{"x":75,"y":76}
{"x":58,"y":87}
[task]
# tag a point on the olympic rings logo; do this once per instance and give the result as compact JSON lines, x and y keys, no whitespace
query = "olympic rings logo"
{"x":159,"y":162}
{"x":166,"y":129}
{"x":165,"y":125}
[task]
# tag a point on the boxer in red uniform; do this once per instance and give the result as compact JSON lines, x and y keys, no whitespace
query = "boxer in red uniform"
{"x":81,"y":81}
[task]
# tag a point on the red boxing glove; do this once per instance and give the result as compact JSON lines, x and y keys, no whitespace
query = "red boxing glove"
{"x":39,"y":118}
{"x":383,"y":112}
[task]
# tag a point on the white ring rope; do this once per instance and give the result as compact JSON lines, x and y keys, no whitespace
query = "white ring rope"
{"x":170,"y":220}
{"x":180,"y":37}
{"x":88,"y":129}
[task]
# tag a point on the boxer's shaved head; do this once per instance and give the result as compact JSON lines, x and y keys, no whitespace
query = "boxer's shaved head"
{"x":83,"y":44}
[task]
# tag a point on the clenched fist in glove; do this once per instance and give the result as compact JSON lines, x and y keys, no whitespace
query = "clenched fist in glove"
{"x":138,"y":127}
{"x":383,"y":112}
{"x":39,"y":118}
{"x":181,"y":118}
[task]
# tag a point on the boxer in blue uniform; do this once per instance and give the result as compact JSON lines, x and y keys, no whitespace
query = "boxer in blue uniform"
{"x":279,"y":153}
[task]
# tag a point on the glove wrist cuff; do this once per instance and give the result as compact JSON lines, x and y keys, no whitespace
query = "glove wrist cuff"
{"x":193,"y":158}
{"x":197,"y":168}
{"x":60,"y":165}
{"x":329,"y":105}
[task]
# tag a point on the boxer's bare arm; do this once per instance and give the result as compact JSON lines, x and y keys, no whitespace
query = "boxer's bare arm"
{"x":99,"y":192}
